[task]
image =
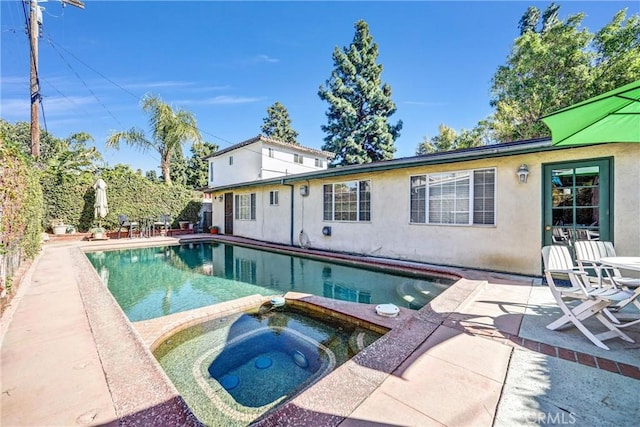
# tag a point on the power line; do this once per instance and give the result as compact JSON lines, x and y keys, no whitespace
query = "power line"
{"x":137,"y":97}
{"x":84,"y":83}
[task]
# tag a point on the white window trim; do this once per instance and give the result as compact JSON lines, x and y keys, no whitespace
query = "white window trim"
{"x":333,"y":202}
{"x":238,"y":211}
{"x":471,"y":199}
{"x":274,"y":195}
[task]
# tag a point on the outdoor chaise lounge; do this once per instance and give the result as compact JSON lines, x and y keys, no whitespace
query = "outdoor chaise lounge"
{"x":581,"y":301}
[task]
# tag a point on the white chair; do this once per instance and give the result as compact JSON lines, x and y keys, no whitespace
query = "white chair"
{"x":588,"y":255}
{"x":580,"y":301}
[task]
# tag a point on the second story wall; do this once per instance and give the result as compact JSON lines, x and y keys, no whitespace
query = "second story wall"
{"x":235,"y":166}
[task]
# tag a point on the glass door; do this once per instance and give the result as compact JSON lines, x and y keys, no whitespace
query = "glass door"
{"x":577,"y":201}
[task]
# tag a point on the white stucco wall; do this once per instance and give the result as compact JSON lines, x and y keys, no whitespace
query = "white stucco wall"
{"x":512,"y":245}
{"x":246,"y":166}
{"x":252,"y":162}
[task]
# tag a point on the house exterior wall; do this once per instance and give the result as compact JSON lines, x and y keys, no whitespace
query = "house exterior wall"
{"x":511,"y":245}
{"x":246,"y":165}
{"x":252,"y":162}
{"x":282,"y":163}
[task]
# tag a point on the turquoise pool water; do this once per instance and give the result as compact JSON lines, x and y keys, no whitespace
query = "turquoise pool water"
{"x":154,"y":282}
{"x":232,"y":370}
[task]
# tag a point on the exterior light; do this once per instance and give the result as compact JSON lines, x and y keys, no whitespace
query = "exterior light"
{"x":523,"y":173}
{"x":220,"y":198}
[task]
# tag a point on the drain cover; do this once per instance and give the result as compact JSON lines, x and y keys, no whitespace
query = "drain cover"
{"x":387,"y":310}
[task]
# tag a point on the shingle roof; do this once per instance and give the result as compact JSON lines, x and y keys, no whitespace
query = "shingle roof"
{"x":273,"y":142}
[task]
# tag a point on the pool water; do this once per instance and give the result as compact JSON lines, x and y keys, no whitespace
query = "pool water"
{"x":154,"y":282}
{"x":233,"y":370}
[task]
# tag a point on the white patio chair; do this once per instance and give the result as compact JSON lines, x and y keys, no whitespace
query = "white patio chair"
{"x":580,"y":301}
{"x":588,"y":255}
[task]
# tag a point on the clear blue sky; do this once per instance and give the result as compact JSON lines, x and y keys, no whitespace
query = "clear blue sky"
{"x":228,"y":61}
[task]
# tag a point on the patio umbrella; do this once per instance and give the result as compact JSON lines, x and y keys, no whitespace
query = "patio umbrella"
{"x":100,"y":205}
{"x":611,"y":117}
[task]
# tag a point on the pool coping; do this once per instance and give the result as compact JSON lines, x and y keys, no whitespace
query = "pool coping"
{"x":161,"y":402}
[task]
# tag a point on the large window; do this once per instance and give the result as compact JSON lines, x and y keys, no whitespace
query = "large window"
{"x":347,"y":201}
{"x":462,"y":197}
{"x":246,"y":206}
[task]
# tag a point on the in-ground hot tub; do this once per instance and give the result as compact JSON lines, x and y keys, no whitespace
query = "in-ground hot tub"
{"x":233,"y":370}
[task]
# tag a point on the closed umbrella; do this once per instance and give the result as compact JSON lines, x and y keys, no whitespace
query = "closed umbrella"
{"x":100,"y":206}
{"x":613,"y":116}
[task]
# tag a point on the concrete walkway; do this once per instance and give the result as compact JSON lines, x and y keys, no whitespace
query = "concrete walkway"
{"x":479,"y":355}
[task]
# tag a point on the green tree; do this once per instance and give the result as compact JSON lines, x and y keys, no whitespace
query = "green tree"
{"x":444,"y":141}
{"x":277,"y":124}
{"x":529,"y":20}
{"x":448,"y":139}
{"x":360,"y":105}
{"x":19,"y":135}
{"x":557,"y":65}
{"x":198,"y":166}
{"x":617,"y":47}
{"x":71,"y":156}
{"x":169,"y":131}
{"x":152,"y":176}
{"x":178,"y":169}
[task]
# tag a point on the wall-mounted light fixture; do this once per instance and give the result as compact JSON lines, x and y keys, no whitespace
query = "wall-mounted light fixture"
{"x":523,"y":173}
{"x":220,"y":198}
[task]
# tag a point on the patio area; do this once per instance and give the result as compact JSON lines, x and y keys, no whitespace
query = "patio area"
{"x":479,"y":355}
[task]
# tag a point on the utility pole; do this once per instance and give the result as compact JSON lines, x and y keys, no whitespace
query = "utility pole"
{"x":34,"y":30}
{"x":35,"y":24}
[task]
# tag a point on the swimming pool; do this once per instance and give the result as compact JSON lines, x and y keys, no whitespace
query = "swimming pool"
{"x":154,"y":282}
{"x":232,"y":370}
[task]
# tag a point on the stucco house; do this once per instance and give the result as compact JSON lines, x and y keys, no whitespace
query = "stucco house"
{"x":491,"y":207}
{"x":262,"y":157}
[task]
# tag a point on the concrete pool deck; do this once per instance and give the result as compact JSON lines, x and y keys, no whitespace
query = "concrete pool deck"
{"x":477,"y":355}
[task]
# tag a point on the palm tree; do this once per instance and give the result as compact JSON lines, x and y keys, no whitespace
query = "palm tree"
{"x":170,"y":129}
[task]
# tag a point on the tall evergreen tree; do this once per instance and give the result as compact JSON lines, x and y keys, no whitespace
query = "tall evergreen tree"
{"x":277,"y":124}
{"x":360,"y":105}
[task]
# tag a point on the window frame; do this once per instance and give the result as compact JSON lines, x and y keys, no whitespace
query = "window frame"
{"x":298,"y":158}
{"x":485,"y":205}
{"x":271,"y":152}
{"x":245,"y":207}
{"x":319,"y":163}
{"x":362,"y":202}
{"x":274,"y":198}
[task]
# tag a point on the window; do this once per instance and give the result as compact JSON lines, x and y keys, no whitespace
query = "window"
{"x":211,"y":171}
{"x":271,"y":152}
{"x":462,"y":197}
{"x":246,"y":207}
{"x":297,"y":158}
{"x":273,"y":197}
{"x":347,"y":201}
{"x":230,"y":160}
{"x":319,"y":163}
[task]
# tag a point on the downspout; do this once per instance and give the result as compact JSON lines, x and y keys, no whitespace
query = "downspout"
{"x":292,"y":193}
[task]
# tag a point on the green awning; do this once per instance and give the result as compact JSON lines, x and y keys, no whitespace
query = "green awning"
{"x":611,"y":117}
